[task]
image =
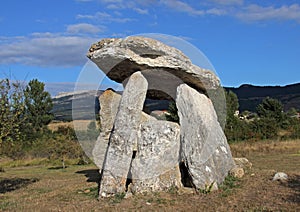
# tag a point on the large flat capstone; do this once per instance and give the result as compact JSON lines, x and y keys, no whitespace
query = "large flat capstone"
{"x":119,"y":58}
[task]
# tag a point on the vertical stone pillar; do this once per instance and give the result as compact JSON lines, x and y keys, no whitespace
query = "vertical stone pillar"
{"x":124,"y":136}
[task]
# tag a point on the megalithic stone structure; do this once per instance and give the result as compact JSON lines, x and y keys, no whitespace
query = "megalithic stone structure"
{"x":145,"y":154}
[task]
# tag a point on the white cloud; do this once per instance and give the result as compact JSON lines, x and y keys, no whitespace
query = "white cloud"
{"x":80,"y":16}
{"x":46,"y":49}
{"x":191,"y":10}
{"x":182,"y":7}
{"x":259,"y":13}
{"x":104,"y":18}
{"x":119,"y":35}
{"x":117,"y":13}
{"x":228,"y":2}
{"x":83,"y":28}
{"x":216,"y":11}
{"x":141,"y":11}
{"x":114,"y":7}
{"x":236,"y":8}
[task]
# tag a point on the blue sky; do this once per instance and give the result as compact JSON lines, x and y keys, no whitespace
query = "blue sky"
{"x":256,"y":42}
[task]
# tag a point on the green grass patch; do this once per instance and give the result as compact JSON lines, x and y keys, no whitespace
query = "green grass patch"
{"x":207,"y":189}
{"x":7,"y":204}
{"x":37,"y":162}
{"x":295,"y":155}
{"x":92,"y":192}
{"x":229,"y":184}
{"x":117,"y":198}
{"x":173,"y":189}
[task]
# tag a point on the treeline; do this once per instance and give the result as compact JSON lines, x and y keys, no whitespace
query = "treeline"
{"x":24,"y":118}
{"x":25,"y":112}
{"x":269,"y":122}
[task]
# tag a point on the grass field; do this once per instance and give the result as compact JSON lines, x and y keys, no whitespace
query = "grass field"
{"x":47,"y":187}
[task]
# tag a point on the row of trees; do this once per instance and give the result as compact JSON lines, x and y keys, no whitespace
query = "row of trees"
{"x":24,"y":116}
{"x":25,"y":112}
{"x":269,"y":122}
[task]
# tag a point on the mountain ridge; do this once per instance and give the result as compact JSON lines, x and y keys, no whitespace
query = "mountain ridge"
{"x":249,"y":97}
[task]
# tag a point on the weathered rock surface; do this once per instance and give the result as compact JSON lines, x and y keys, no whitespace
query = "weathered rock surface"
{"x":109,"y":101}
{"x":119,"y":58}
{"x":204,"y":148}
{"x":237,"y":172}
{"x":242,"y":163}
{"x":155,"y":166}
{"x":280,"y":176}
{"x":124,"y":136}
{"x":146,"y":154}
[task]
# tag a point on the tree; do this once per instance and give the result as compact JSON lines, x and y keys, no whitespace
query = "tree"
{"x":38,"y":104}
{"x":232,"y":105}
{"x":236,"y":129}
{"x":173,"y":113}
{"x":11,"y":111}
{"x":271,"y":118}
{"x":270,"y":108}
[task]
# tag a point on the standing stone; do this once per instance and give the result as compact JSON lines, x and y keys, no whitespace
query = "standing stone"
{"x":155,"y":166}
{"x":109,"y":104}
{"x":204,"y":148}
{"x":124,"y":136}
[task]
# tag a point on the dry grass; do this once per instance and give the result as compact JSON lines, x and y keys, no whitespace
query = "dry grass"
{"x":244,"y":149}
{"x":49,"y":188}
{"x":76,"y":124}
{"x":9,"y":163}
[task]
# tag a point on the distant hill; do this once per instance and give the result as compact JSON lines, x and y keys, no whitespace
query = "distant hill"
{"x":87,"y":103}
{"x":250,"y":96}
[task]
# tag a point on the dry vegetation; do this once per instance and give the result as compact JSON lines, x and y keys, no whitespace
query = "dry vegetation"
{"x":50,"y":188}
{"x":76,"y":124}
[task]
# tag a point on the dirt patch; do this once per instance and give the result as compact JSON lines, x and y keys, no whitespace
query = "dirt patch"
{"x":75,"y":188}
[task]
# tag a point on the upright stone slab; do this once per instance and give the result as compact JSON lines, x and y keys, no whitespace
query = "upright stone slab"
{"x":204,"y":148}
{"x":124,"y":136}
{"x":109,"y":104}
{"x":155,"y":166}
